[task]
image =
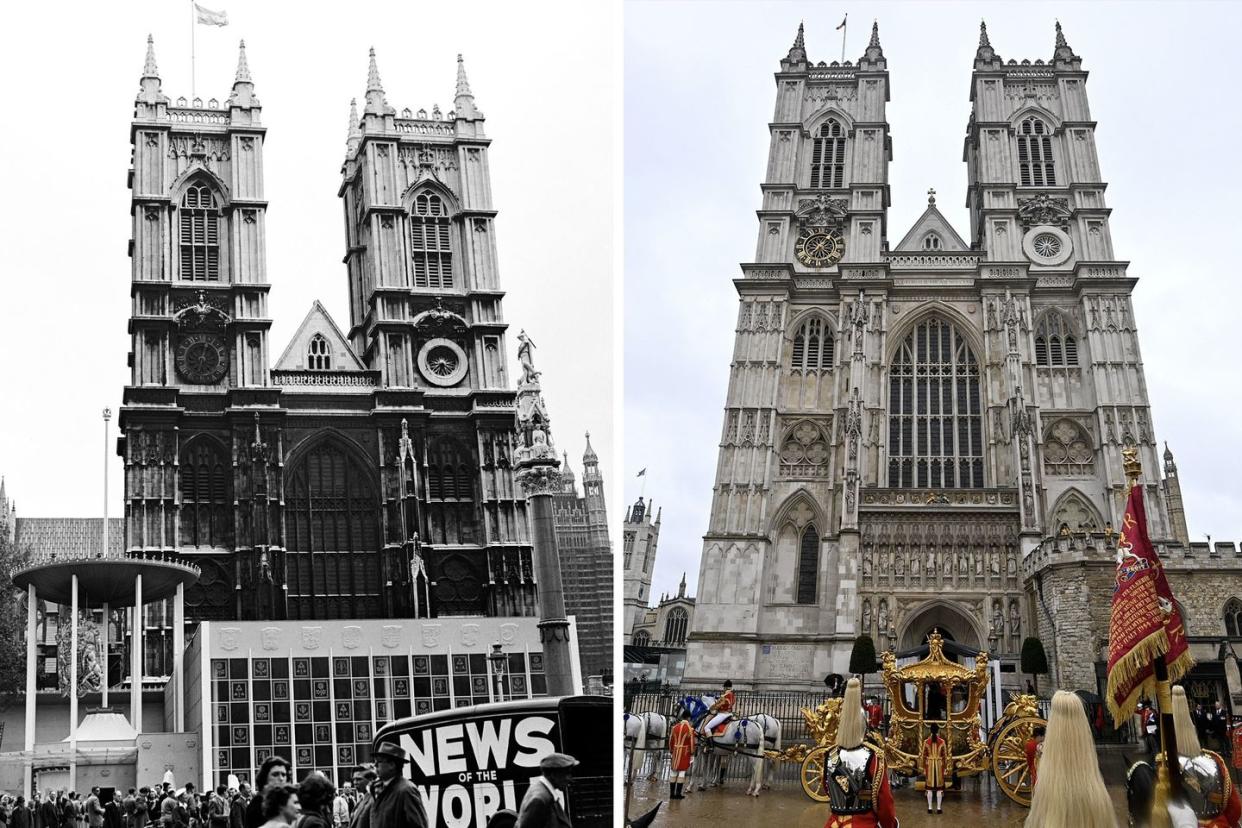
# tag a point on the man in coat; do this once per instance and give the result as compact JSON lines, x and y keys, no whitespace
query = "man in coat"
{"x":544,"y":804}
{"x":94,"y":809}
{"x":47,"y":811}
{"x":395,"y":802}
{"x":681,"y":749}
{"x":934,"y":761}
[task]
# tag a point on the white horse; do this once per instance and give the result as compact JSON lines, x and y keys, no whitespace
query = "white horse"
{"x":749,"y":737}
{"x":647,"y":734}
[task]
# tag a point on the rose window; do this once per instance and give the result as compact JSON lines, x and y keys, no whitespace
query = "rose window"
{"x":442,"y":362}
{"x":1046,"y":245}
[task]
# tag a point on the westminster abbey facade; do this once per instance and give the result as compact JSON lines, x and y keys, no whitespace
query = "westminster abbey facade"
{"x":923,"y":429}
{"x":367,"y":473}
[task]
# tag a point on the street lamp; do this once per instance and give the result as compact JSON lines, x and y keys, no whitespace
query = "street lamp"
{"x":497,"y":659}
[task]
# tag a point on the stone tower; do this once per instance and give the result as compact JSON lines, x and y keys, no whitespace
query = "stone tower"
{"x":905,"y":423}
{"x":367,"y":474}
{"x":1173,"y":497}
{"x":641,"y":536}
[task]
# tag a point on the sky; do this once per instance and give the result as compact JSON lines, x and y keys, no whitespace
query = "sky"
{"x":69,"y":74}
{"x":699,"y":94}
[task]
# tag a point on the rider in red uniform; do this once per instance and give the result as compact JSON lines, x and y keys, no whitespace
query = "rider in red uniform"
{"x":722,"y":708}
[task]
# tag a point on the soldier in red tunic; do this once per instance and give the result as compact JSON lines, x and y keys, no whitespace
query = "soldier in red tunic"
{"x":934,"y":762}
{"x":855,"y":775}
{"x":681,"y":748}
{"x":722,"y":708}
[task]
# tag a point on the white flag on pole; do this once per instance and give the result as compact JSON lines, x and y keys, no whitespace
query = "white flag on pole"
{"x":211,"y":18}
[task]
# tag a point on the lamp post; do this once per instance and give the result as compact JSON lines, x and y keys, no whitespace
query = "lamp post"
{"x":497,"y":659}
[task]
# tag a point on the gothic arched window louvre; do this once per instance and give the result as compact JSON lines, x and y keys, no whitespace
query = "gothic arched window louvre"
{"x":675,"y":626}
{"x":828,"y":156}
{"x":206,"y":495}
{"x":808,"y":565}
{"x":935,"y":422}
{"x":1233,"y":618}
{"x":812,"y":346}
{"x":1055,"y":343}
{"x":318,"y":355}
{"x":1035,"y":164}
{"x":431,"y":248}
{"x":199,"y":235}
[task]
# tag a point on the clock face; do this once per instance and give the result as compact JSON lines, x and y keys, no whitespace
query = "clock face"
{"x":202,"y":358}
{"x":820,"y":246}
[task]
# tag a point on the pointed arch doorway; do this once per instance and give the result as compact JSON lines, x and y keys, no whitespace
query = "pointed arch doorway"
{"x":953,"y":621}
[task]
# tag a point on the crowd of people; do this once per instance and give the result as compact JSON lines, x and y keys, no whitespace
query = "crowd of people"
{"x":379,"y":796}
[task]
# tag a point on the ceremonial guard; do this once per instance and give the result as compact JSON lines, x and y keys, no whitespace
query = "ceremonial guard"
{"x":723,"y":707}
{"x":1034,"y":749}
{"x":934,"y":762}
{"x":681,"y":749}
{"x":855,"y":775}
{"x":1070,"y":792}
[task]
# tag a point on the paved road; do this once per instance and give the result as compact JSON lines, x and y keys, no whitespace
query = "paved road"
{"x":979,"y":803}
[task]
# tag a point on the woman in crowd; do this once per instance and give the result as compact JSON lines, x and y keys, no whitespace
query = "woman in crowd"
{"x":315,"y":796}
{"x":273,"y":771}
{"x":280,"y":806}
{"x":1070,"y":791}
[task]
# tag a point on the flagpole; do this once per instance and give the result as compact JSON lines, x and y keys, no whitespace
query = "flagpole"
{"x":845,"y":27}
{"x":1168,"y":769}
{"x":643,"y":488}
{"x":192,"y":38}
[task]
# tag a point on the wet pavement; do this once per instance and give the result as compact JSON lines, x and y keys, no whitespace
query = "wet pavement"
{"x":978,"y":802}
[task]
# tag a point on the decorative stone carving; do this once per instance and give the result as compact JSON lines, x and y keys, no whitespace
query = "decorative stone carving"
{"x":431,"y":635}
{"x":269,"y":638}
{"x":822,"y":211}
{"x":1044,"y":209}
{"x":312,"y":638}
{"x":390,"y":635}
{"x":351,"y":637}
{"x":805,"y":449}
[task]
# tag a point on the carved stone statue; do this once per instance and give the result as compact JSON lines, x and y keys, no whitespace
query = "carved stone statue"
{"x":1015,"y":619}
{"x":529,"y":374}
{"x":1012,"y":564}
{"x":883,"y":615}
{"x":914,"y":565}
{"x":998,"y":619}
{"x":866,"y":617}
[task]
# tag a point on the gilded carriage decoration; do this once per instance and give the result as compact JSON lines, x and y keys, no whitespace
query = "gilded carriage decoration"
{"x":936,"y":690}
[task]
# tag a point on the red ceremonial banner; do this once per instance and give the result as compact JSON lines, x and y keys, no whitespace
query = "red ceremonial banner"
{"x":1145,"y":623}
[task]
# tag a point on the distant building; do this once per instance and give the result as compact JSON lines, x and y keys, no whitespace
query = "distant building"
{"x":657,"y":650}
{"x":640,"y":538}
{"x":586,"y":562}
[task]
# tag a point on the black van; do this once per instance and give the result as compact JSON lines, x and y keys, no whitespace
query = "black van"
{"x":471,"y":762}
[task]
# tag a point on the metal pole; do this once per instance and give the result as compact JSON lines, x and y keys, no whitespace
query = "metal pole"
{"x":32,"y":660}
{"x":179,"y":657}
{"x":106,"y":642}
{"x":192,"y":29}
{"x":136,"y":658}
{"x":73,"y":686}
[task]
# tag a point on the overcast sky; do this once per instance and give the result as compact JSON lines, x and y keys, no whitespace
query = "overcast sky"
{"x":699,"y":94}
{"x":69,"y":74}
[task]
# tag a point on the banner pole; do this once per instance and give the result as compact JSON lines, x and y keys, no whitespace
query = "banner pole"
{"x":1168,"y":769}
{"x":192,"y":39}
{"x":845,"y":27}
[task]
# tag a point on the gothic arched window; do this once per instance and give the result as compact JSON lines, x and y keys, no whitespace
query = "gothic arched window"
{"x":675,"y":626}
{"x":932,"y":242}
{"x":1035,"y":165}
{"x":812,"y":346}
{"x":828,"y":156}
{"x":431,"y":246}
{"x":642,"y":638}
{"x":318,"y":355}
{"x":200,"y":235}
{"x":332,"y":565}
{"x":450,"y":475}
{"x":1068,"y":449}
{"x":1233,"y":618}
{"x":935,"y":425}
{"x":808,"y":565}
{"x":1055,"y":343}
{"x":206,"y":495}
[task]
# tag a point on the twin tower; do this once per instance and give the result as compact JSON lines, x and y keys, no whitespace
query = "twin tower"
{"x":369,"y":473}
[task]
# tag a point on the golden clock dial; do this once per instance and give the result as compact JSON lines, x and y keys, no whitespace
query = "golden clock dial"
{"x":820,"y":247}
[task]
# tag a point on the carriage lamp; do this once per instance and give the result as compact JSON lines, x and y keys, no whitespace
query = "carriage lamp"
{"x":497,"y":659}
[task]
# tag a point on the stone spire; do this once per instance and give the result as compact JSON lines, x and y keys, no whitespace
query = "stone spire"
{"x":463,"y":101}
{"x":589,"y":456}
{"x":985,"y":56}
{"x":1063,"y":56}
{"x":797,"y":52}
{"x":873,"y":58}
{"x":149,"y":86}
{"x":354,"y":135}
{"x":150,"y":70}
{"x":243,"y":69}
{"x":1173,"y":499}
{"x":243,"y":88}
{"x":375,"y":103}
{"x":1170,"y":468}
{"x":681,"y":589}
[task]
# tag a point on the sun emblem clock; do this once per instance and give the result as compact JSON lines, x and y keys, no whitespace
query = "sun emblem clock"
{"x":202,"y":358}
{"x":819,"y":246}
